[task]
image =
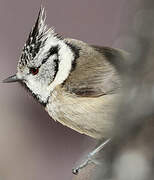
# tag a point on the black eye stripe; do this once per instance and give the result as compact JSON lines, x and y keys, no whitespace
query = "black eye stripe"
{"x":44,"y":60}
{"x":56,"y":61}
{"x":52,"y":51}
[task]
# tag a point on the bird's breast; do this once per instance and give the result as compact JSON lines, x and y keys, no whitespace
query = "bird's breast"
{"x":90,"y":116}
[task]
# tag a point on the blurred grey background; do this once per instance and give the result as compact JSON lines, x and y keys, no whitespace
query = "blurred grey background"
{"x":32,"y":145}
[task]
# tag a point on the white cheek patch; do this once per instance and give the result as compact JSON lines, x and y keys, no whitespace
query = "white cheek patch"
{"x":66,"y":57}
{"x":47,"y":69}
{"x":39,"y":89}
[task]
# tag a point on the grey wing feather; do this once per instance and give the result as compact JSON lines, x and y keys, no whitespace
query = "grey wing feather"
{"x":94,"y":74}
{"x":117,"y":57}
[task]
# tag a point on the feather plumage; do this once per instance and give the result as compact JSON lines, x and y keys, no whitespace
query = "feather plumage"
{"x":94,"y":75}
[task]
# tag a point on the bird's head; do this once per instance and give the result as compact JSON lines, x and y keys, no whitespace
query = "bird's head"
{"x":46,"y":60}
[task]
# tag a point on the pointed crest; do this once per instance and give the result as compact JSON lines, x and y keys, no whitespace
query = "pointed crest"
{"x":39,"y":29}
{"x":39,"y":40}
{"x":36,"y":39}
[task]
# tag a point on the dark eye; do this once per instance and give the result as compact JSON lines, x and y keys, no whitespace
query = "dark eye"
{"x":34,"y":71}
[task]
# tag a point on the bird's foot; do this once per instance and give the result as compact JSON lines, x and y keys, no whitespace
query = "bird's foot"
{"x":81,"y":166}
{"x":90,"y":158}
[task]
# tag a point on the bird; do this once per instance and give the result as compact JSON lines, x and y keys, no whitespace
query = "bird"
{"x":77,"y":83}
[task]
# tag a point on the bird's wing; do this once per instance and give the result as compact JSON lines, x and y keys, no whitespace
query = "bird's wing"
{"x":95,"y":73}
{"x":117,"y":57}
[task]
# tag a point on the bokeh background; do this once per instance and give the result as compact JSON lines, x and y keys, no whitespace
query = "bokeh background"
{"x":32,"y":145}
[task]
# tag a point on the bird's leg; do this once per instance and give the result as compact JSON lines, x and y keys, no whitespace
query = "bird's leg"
{"x":89,"y":158}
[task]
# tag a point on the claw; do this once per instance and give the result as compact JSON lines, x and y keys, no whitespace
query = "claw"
{"x":89,"y":158}
{"x":81,"y":166}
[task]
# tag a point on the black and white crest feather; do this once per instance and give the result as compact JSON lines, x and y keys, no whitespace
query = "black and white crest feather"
{"x":50,"y":54}
{"x":37,"y":38}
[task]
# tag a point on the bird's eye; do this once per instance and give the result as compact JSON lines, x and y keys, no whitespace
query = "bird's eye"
{"x":34,"y":71}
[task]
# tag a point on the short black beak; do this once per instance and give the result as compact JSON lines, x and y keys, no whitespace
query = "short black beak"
{"x":11,"y":79}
